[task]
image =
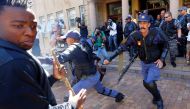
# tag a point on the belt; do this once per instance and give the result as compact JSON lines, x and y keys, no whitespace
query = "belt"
{"x":87,"y":76}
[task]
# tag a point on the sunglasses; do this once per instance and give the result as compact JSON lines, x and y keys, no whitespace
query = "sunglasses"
{"x":166,"y":17}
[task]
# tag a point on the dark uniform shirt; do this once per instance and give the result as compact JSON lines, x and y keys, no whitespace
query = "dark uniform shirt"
{"x":150,"y":48}
{"x":129,"y":27}
{"x":82,"y":61}
{"x":170,"y":28}
{"x":183,"y":21}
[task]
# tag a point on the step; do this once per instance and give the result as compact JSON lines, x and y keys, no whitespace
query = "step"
{"x":181,"y":71}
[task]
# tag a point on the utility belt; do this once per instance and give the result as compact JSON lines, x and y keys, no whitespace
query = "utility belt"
{"x":148,"y":61}
{"x":84,"y":76}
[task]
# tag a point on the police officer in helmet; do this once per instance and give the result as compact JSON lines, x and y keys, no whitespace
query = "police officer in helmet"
{"x":84,"y":68}
{"x":152,"y":50}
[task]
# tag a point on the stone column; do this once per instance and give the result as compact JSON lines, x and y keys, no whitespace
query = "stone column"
{"x":92,"y":14}
{"x":174,"y":6}
{"x":125,"y":10}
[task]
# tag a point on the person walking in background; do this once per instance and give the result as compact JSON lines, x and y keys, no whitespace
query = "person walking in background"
{"x":113,"y":34}
{"x":172,"y":29}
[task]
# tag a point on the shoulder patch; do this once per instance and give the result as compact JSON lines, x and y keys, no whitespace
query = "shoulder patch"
{"x":4,"y":57}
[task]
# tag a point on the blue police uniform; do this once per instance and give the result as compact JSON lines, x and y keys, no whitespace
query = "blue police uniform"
{"x":84,"y":69}
{"x":183,"y":19}
{"x":150,"y":49}
{"x":170,"y":29}
{"x":129,"y":28}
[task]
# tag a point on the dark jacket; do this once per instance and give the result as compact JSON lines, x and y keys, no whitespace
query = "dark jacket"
{"x":23,"y":82}
{"x":129,"y":28}
{"x":83,"y":31}
{"x":82,"y":61}
{"x":150,"y":48}
{"x":170,"y":28}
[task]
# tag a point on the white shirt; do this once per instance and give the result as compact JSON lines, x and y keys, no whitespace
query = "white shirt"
{"x":113,"y":31}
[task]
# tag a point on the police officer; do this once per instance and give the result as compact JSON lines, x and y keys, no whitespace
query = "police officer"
{"x":183,"y":19}
{"x":151,"y":52}
{"x":172,"y":29}
{"x":130,"y":26}
{"x":85,"y":72}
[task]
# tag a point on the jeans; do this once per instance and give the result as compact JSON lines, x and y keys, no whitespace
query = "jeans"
{"x":102,"y":51}
{"x":113,"y":39}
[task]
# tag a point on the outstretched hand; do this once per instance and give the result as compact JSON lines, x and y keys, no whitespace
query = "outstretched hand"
{"x":106,"y":62}
{"x":79,"y":99}
{"x":159,"y":63}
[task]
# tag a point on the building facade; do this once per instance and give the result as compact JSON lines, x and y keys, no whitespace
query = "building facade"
{"x":94,"y":12}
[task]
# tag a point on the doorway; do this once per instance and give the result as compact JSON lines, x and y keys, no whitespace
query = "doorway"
{"x":154,"y":7}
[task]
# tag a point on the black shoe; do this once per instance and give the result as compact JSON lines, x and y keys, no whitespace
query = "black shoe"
{"x":154,"y":101}
{"x":101,"y":76}
{"x":160,"y":104}
{"x":119,"y":97}
{"x":173,"y":64}
{"x":164,"y":64}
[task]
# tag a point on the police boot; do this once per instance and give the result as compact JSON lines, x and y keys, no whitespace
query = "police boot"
{"x":173,"y":64}
{"x":157,"y":99}
{"x":111,"y":93}
{"x":119,"y":97}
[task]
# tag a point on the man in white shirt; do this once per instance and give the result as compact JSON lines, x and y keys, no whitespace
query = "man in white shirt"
{"x":113,"y":34}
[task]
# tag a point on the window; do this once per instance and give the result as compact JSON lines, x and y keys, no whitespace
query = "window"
{"x":50,"y":22}
{"x":82,"y":12}
{"x":114,"y":8}
{"x":71,"y":13}
{"x":59,"y":15}
{"x":42,"y":23}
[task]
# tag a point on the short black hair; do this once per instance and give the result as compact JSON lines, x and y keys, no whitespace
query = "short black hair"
{"x":13,"y":3}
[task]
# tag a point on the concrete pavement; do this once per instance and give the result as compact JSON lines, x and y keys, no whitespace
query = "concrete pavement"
{"x":175,"y":92}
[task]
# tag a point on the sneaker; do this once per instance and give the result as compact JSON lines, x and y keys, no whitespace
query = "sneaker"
{"x":119,"y":97}
{"x":173,"y":64}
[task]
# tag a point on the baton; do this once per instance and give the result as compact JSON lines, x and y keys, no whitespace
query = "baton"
{"x":64,"y":79}
{"x":123,"y":72}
